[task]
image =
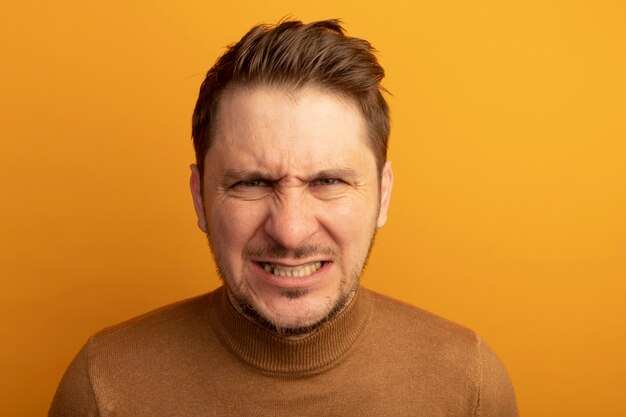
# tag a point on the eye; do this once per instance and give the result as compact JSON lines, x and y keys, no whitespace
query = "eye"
{"x":252,"y":189}
{"x":328,"y":188}
{"x":327,"y":181}
{"x":251,"y":184}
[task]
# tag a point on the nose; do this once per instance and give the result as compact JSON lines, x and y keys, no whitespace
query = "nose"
{"x":291,"y":220}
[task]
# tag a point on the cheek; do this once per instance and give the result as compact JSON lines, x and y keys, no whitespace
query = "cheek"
{"x":350,"y":221}
{"x":232,"y":226}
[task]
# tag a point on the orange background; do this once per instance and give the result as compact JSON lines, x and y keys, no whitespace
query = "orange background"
{"x":508,"y":145}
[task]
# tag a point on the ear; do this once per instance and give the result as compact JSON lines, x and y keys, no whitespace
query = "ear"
{"x":196,"y":194}
{"x":386,"y":183}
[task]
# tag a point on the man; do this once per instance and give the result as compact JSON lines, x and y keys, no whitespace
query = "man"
{"x":290,"y":184}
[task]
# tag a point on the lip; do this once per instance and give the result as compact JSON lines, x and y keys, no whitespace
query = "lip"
{"x":290,"y":264}
{"x":291,"y":282}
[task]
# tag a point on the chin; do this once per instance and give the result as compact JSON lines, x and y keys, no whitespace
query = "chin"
{"x":298,"y":308}
{"x":293,"y":312}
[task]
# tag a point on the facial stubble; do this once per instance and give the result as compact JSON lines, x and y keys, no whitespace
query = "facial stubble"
{"x":350,"y":281}
{"x":252,"y":313}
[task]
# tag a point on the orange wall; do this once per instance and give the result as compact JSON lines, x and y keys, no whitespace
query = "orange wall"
{"x":508,"y":144}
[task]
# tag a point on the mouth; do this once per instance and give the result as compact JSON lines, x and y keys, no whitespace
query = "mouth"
{"x":303,"y":270}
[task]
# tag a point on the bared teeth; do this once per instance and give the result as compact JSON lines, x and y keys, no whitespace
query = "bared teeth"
{"x":292,"y":271}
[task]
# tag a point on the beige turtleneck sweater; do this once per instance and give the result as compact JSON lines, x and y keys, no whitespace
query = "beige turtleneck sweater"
{"x":200,"y":357}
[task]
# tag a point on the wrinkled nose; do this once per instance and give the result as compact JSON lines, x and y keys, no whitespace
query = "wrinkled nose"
{"x":291,"y":221}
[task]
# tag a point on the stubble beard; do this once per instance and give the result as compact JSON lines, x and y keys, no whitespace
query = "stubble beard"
{"x":348,"y":286}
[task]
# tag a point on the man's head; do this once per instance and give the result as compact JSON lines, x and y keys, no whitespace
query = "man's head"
{"x":291,"y":181}
{"x":293,"y":55}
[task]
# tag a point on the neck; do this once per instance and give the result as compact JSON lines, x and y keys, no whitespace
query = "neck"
{"x":307,"y":352}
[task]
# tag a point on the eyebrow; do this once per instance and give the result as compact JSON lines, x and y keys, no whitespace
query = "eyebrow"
{"x":340,"y":173}
{"x":239,"y":174}
{"x":234,"y":175}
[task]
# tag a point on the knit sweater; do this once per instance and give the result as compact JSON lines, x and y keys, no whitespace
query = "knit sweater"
{"x":200,"y":357}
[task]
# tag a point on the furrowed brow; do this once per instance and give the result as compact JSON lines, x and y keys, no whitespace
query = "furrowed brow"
{"x":335,"y":173}
{"x":234,"y":175}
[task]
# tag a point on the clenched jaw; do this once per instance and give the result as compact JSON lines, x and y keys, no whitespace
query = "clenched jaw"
{"x":292,"y":271}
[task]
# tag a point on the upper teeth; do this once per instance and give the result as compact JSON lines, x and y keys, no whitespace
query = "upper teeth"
{"x":292,"y":271}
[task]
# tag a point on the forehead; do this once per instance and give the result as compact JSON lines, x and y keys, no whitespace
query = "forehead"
{"x":308,"y":128}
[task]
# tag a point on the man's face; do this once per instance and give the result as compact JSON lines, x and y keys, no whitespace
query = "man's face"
{"x":291,"y":201}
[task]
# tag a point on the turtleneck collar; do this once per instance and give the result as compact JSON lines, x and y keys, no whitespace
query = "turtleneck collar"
{"x":271,"y":353}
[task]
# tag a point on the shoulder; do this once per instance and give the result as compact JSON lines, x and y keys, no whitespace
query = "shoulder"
{"x":451,"y":357}
{"x":424,"y":341}
{"x":163,"y":333}
{"x":118,"y":362}
{"x":409,"y":321}
{"x":176,"y":316}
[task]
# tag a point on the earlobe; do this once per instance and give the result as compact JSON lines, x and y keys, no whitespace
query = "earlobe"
{"x":386,"y":184}
{"x":196,"y":195}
